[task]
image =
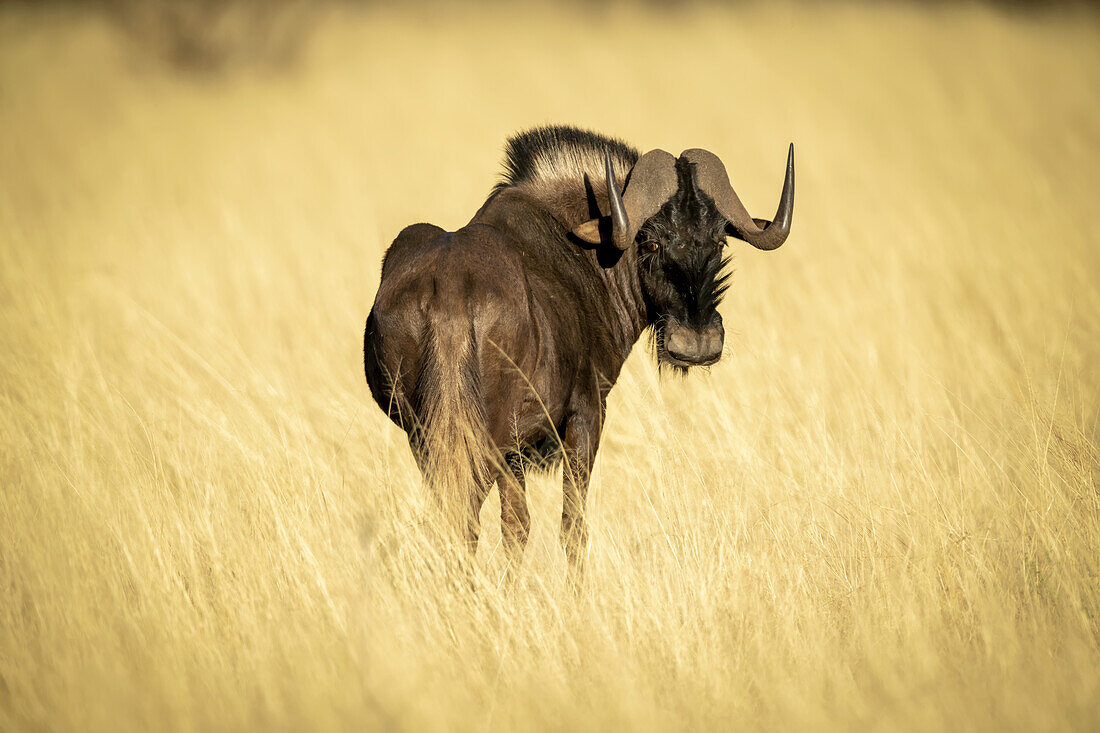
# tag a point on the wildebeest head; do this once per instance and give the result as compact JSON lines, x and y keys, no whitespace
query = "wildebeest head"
{"x":678,"y":212}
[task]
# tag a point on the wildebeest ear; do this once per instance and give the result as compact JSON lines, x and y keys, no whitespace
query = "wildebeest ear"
{"x":589,"y":231}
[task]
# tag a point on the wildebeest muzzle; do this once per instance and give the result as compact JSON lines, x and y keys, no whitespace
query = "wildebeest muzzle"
{"x":687,"y":346}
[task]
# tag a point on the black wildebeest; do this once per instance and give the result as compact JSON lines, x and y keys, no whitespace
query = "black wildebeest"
{"x":494,"y":347}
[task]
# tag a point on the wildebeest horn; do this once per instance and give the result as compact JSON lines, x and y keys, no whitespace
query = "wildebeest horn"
{"x":652,"y":182}
{"x":620,"y":220}
{"x":710,"y":176}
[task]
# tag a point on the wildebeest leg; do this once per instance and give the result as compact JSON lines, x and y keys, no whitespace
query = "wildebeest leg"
{"x":579,"y":448}
{"x":515,"y":521}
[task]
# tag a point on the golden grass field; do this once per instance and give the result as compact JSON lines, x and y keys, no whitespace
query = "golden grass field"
{"x":879,"y":512}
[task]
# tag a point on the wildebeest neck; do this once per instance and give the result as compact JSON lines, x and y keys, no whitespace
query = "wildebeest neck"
{"x":603,"y":280}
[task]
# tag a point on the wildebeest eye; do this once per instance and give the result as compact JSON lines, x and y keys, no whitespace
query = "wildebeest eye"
{"x":651,"y":245}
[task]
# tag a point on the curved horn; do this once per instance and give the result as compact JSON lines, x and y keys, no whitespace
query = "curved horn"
{"x":652,"y":182}
{"x":620,"y":220}
{"x":710,"y":176}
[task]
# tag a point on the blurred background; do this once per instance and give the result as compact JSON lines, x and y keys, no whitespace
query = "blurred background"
{"x":879,"y":511}
{"x":211,"y":36}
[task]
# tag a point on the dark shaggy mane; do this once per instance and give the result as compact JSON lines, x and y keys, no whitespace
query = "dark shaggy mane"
{"x":560,"y":152}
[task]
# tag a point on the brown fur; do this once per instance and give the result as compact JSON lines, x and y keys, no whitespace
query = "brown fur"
{"x":494,"y":347}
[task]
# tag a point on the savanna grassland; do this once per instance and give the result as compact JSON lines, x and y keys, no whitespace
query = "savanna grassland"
{"x":880,"y":511}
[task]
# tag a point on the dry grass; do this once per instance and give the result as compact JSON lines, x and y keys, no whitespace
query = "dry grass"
{"x":879,"y":512}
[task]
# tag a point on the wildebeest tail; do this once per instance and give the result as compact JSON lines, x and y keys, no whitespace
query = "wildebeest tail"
{"x":453,"y":438}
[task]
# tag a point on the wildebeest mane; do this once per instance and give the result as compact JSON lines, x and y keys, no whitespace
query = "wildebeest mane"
{"x":554,"y":153}
{"x":562,"y":167}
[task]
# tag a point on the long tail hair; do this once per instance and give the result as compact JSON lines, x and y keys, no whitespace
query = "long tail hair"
{"x":453,"y":438}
